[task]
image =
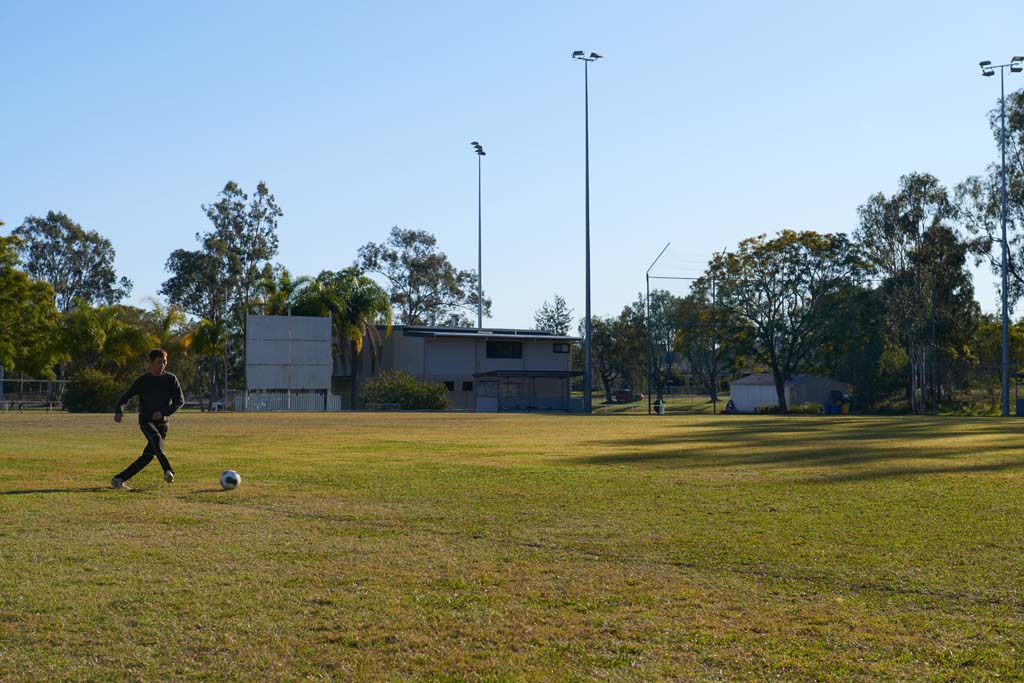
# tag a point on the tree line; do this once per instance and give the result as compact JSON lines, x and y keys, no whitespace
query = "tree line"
{"x":889,"y":308}
{"x":60,"y":310}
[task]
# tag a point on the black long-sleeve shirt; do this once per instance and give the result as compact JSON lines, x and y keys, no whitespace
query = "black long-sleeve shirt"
{"x":155,"y":392}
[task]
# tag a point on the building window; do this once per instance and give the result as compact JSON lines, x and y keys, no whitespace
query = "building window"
{"x":561,"y":348}
{"x":467,"y":386}
{"x":504,"y":349}
{"x":450,"y":386}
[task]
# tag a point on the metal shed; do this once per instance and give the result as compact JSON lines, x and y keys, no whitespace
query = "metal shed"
{"x":757,"y":390}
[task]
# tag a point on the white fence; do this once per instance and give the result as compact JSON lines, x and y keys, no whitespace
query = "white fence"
{"x":295,"y":401}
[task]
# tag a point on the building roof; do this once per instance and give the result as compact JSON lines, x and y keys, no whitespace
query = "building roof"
{"x":529,"y":373}
{"x":767,"y":379}
{"x":474,"y":333}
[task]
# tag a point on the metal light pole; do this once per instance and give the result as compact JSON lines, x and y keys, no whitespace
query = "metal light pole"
{"x":587,"y":364}
{"x":1016,"y":65}
{"x":650,"y":340}
{"x":480,"y":153}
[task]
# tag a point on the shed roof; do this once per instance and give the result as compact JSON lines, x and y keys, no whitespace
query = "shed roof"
{"x":472,"y":333}
{"x":767,"y":379}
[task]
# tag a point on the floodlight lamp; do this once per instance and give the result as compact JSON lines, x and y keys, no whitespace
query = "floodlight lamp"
{"x":990,"y":72}
{"x":1016,"y":68}
{"x":475,"y":143}
{"x":594,"y":55}
{"x":984,"y":64}
{"x":1017,"y":59}
{"x":577,"y":53}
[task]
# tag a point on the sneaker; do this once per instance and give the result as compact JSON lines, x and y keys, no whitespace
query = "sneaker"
{"x":119,"y":484}
{"x":169,"y":477}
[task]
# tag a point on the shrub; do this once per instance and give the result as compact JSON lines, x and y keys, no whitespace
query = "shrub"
{"x":806,"y":409}
{"x":395,"y":386}
{"x":91,"y":391}
{"x":767,"y":410}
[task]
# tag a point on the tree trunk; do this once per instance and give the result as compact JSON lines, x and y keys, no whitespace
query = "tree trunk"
{"x":780,"y":390}
{"x":356,"y":356}
{"x":606,"y":381}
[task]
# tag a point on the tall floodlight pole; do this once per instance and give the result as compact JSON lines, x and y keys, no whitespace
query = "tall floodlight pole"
{"x":650,"y":339}
{"x":480,"y":154}
{"x":588,"y":369}
{"x":1016,"y":65}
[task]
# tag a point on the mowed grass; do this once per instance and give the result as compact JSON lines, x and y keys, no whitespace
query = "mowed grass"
{"x":461,"y":547}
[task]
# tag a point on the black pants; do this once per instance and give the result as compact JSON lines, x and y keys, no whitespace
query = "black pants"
{"x":155,"y":433}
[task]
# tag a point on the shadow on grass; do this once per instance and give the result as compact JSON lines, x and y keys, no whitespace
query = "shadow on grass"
{"x":23,"y":492}
{"x":824,"y":443}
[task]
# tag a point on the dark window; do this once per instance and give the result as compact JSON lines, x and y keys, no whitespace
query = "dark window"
{"x":467,"y":386}
{"x":561,"y":348}
{"x":504,"y":349}
{"x":450,"y":386}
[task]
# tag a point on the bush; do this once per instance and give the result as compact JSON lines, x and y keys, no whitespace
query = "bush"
{"x":767,"y":410}
{"x":91,"y":391}
{"x":395,"y":386}
{"x":806,"y":409}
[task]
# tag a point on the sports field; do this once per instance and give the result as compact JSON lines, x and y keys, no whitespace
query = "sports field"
{"x":448,"y":547}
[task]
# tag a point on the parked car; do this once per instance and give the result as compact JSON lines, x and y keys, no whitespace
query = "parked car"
{"x":627,"y":396}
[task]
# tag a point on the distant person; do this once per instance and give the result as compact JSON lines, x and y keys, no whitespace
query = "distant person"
{"x":159,"y":396}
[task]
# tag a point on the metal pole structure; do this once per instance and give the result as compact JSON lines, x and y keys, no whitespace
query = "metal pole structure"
{"x":588,"y":369}
{"x":480,"y":153}
{"x":650,"y":342}
{"x":714,"y":346}
{"x":1006,"y":307}
{"x":1016,"y":65}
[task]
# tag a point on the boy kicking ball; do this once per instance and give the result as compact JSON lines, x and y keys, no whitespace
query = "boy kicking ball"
{"x":159,"y":396}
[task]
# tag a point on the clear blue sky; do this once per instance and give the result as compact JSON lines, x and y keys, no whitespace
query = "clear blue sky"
{"x":709,"y":123}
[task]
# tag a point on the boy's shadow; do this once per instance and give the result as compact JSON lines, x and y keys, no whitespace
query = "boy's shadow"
{"x":21,"y":492}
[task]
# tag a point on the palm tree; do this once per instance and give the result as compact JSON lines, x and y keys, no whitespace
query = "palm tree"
{"x":167,"y":322}
{"x":207,"y":339}
{"x":356,"y":305}
{"x":368,"y":306}
{"x":278,"y":291}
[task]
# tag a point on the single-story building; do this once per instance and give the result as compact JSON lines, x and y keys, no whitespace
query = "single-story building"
{"x":752,"y":391}
{"x":289,"y":366}
{"x":487,"y":370}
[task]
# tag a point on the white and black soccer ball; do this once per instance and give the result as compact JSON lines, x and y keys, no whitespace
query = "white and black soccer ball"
{"x":230,"y":479}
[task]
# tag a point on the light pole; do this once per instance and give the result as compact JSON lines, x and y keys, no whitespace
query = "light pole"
{"x":1016,"y":65}
{"x":650,"y":339}
{"x":587,"y":364}
{"x":480,"y":153}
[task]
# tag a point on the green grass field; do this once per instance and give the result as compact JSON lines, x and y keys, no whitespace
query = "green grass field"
{"x":461,"y":547}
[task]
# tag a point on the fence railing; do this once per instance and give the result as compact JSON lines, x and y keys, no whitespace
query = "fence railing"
{"x":297,"y":401}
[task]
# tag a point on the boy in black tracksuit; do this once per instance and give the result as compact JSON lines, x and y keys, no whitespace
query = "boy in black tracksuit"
{"x":159,"y":396}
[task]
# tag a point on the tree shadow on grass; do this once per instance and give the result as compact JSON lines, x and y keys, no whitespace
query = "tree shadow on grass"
{"x":967,"y":445}
{"x":22,"y":492}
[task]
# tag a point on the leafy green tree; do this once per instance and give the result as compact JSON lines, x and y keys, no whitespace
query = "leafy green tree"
{"x":979,"y":199}
{"x":224,"y":278}
{"x":603,"y":351}
{"x":78,"y":263}
{"x":198,"y":284}
{"x":208,"y":340}
{"x":554,"y":317}
{"x":788,"y":290}
{"x":619,"y":348}
{"x":108,"y":338}
{"x":707,"y":335}
{"x":423,"y":285}
{"x":28,"y":317}
{"x":907,"y":241}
